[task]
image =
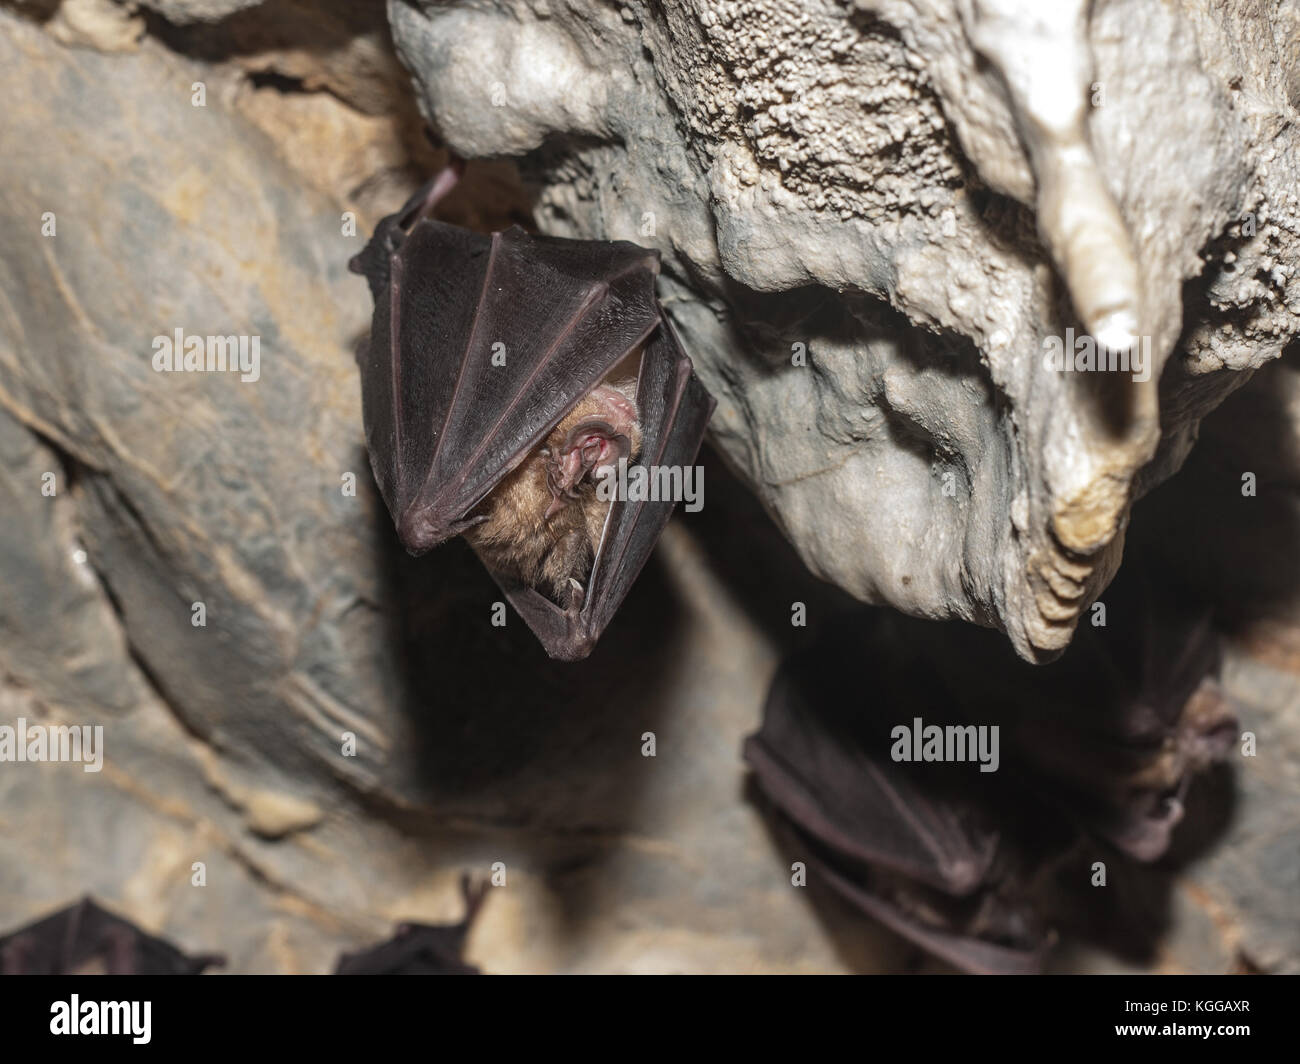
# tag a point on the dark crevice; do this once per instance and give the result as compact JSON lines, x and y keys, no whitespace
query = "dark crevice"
{"x":273,"y":79}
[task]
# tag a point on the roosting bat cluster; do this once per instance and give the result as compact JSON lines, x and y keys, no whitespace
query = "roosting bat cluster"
{"x":504,"y":374}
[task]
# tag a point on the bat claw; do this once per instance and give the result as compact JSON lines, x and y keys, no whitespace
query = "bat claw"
{"x":421,"y":205}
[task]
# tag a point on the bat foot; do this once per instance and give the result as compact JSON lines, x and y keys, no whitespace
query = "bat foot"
{"x":576,"y":595}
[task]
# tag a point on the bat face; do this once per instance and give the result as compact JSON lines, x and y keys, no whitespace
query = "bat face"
{"x":504,"y":374}
{"x":544,"y":522}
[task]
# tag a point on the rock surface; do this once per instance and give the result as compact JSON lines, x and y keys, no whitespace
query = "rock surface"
{"x":225,"y":742}
{"x":917,"y":194}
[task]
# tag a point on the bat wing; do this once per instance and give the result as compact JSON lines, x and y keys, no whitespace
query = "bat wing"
{"x":675,"y":409}
{"x":478,"y":347}
{"x":863,"y":807}
{"x":85,"y":937}
{"x":415,"y":949}
{"x":902,"y":843}
{"x":1103,"y":742}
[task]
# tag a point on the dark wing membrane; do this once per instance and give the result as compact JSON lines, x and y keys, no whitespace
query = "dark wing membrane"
{"x":416,"y":949}
{"x":910,"y":848}
{"x":374,"y":260}
{"x":408,"y":371}
{"x":964,"y":950}
{"x":422,"y":949}
{"x":674,"y":410}
{"x":857,"y":801}
{"x":444,"y":424}
{"x":63,"y":943}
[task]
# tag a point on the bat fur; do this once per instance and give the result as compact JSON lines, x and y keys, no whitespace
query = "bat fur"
{"x":543,"y":523}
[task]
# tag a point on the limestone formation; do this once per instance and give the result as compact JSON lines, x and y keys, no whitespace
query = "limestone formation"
{"x":922,"y":195}
{"x":872,"y":216}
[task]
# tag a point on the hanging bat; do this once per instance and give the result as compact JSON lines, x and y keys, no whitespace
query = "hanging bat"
{"x":421,"y":949}
{"x":902,"y":843}
{"x":1102,"y":743}
{"x":504,"y":376}
{"x":85,"y":939}
{"x":1139,"y":712}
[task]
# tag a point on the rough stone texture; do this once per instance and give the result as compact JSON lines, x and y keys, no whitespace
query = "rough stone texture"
{"x":896,"y":184}
{"x":186,"y":11}
{"x":1250,"y":882}
{"x":223,"y":742}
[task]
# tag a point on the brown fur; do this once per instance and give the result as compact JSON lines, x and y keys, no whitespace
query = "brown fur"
{"x":517,"y":539}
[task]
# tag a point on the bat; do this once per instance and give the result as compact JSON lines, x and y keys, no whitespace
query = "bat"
{"x":85,"y":939}
{"x":421,"y":949}
{"x":1145,"y":713}
{"x":1100,"y":745}
{"x":504,"y":378}
{"x":902,"y":843}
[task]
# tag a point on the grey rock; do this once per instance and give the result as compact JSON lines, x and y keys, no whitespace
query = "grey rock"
{"x":912,"y":191}
{"x":224,"y":743}
{"x":185,"y":11}
{"x":1252,"y":879}
{"x":58,"y":630}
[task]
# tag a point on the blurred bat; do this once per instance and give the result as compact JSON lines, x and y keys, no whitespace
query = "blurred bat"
{"x":503,"y":376}
{"x":907,"y":844}
{"x":1104,"y":741}
{"x":421,"y":949}
{"x":1114,"y":732}
{"x":85,"y":939}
